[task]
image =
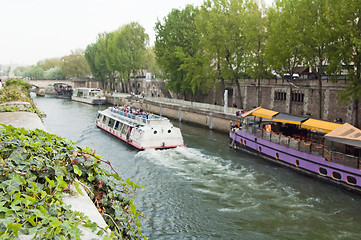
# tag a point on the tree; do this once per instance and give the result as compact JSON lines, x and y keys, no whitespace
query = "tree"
{"x":37,"y":72}
{"x":19,"y":71}
{"x":95,"y":55}
{"x":345,"y":51}
{"x":255,"y":41}
{"x":111,"y":57}
{"x":54,"y":73}
{"x":50,"y":63}
{"x":149,"y":62}
{"x":316,"y":39}
{"x":222,"y":25}
{"x":285,"y":27}
{"x":177,"y":42}
{"x":75,"y":65}
{"x":132,"y":42}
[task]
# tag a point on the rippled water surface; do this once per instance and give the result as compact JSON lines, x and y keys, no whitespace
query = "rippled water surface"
{"x":207,"y":191}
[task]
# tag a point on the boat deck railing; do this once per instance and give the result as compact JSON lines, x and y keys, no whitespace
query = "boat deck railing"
{"x":304,"y":146}
{"x":141,"y":118}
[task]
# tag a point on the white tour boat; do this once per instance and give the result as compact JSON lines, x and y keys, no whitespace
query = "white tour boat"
{"x":93,"y":96}
{"x":139,"y":129}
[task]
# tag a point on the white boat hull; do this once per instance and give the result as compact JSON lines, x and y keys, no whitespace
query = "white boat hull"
{"x":140,"y":132}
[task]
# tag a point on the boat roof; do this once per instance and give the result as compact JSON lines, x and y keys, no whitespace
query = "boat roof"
{"x":289,"y":118}
{"x":305,"y":122}
{"x":346,"y":134}
{"x":336,"y":132}
{"x":264,"y":113}
{"x":319,"y":125}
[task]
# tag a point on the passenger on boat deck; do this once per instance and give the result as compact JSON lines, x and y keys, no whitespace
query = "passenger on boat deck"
{"x":132,"y":110}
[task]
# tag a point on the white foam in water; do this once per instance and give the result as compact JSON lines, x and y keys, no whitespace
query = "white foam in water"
{"x":191,"y":164}
{"x":242,"y":188}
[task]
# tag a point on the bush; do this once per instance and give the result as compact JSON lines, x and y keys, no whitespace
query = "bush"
{"x":18,"y":82}
{"x":37,"y":168}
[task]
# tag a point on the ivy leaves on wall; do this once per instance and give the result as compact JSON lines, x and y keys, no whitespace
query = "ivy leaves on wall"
{"x":38,"y":170}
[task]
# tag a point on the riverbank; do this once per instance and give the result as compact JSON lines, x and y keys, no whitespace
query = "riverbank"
{"x":79,"y":202}
{"x":51,"y":187}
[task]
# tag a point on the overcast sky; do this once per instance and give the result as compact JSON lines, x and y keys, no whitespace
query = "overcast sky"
{"x":33,"y":30}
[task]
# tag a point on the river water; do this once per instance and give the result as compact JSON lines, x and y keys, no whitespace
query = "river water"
{"x":207,"y":190}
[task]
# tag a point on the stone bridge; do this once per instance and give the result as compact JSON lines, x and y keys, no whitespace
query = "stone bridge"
{"x":43,"y":83}
{"x":43,"y":86}
{"x":46,"y":83}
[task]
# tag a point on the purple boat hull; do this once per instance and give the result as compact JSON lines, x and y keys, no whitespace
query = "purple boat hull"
{"x":304,"y":162}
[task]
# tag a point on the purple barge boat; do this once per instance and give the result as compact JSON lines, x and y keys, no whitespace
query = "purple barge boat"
{"x":329,"y":151}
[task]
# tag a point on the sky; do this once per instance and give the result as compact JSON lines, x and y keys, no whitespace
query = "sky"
{"x":34,"y":30}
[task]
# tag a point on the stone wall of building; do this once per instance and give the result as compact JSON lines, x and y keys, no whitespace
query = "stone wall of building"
{"x":276,"y":95}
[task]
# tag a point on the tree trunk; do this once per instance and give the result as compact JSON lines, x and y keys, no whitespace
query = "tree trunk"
{"x":129,"y":84}
{"x":122,"y":85}
{"x":258,"y":92}
{"x":290,"y":101}
{"x":239,"y":94}
{"x":320,"y":102}
{"x":355,"y":105}
{"x":136,"y":84}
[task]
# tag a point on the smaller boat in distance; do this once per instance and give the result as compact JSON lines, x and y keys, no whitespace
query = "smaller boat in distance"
{"x":93,"y":96}
{"x":139,"y":128}
{"x":63,"y":90}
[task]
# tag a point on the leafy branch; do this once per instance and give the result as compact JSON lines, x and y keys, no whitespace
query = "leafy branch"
{"x":37,"y":170}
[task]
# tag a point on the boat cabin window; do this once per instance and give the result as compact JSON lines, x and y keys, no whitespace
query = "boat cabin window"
{"x":125,"y":129}
{"x":121,"y":125}
{"x":111,"y":122}
{"x":105,"y":119}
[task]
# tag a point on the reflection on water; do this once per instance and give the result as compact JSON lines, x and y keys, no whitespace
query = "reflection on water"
{"x":208,"y":191}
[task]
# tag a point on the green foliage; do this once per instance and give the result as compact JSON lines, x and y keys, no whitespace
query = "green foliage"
{"x":15,"y":90}
{"x":345,"y":53}
{"x":96,"y":58}
{"x":285,"y":28}
{"x":149,"y":62}
{"x":75,"y":65}
{"x":19,"y":71}
{"x":54,"y":73}
{"x":118,"y":54}
{"x":50,"y":63}
{"x":14,"y":81}
{"x":49,"y":69}
{"x":13,"y":93}
{"x":37,"y":170}
{"x":177,"y":51}
{"x":17,"y":109}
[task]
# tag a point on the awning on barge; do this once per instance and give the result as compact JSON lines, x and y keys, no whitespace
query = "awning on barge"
{"x":319,"y":125}
{"x":246,"y":114}
{"x":264,"y":113}
{"x":346,"y":134}
{"x":289,"y":118}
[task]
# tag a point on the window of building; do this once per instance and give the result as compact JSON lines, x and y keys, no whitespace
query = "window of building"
{"x":280,"y":95}
{"x":297,"y":96}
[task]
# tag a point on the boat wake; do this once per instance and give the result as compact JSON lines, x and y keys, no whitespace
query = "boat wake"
{"x":239,"y":188}
{"x":86,"y":133}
